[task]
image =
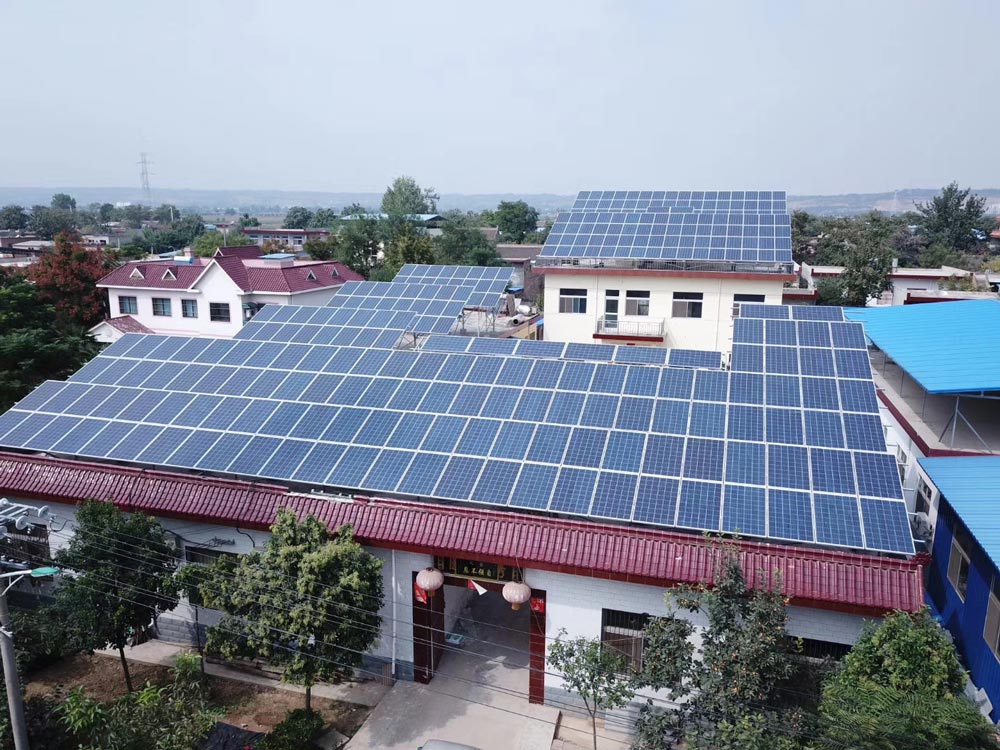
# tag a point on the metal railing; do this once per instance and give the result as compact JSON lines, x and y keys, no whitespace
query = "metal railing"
{"x":652,"y":327}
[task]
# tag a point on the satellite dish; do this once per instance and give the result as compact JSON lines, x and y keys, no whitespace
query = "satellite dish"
{"x":524,"y":309}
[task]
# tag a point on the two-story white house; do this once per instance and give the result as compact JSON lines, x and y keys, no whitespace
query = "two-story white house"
{"x":663,"y":268}
{"x":293,"y":238}
{"x":211,"y":296}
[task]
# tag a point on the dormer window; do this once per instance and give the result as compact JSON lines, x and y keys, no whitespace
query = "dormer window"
{"x":311,"y":276}
{"x":169,"y":275}
{"x":136,"y":274}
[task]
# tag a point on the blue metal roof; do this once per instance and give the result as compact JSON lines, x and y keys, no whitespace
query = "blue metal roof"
{"x":947,"y":347}
{"x":969,"y":483}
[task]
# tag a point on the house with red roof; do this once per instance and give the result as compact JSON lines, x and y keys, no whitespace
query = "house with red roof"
{"x":212,"y":296}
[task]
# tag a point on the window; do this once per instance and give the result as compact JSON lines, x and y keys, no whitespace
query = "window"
{"x":128,"y":305}
{"x":161,"y":307}
{"x":637,"y":303}
{"x":924,"y":496}
{"x":816,"y":649}
{"x":748,"y":298}
{"x":189,"y":308}
{"x":958,"y":563}
{"x":572,"y":300}
{"x":219,"y":312}
{"x":622,"y":632}
{"x":901,"y":461}
{"x":687,"y":304}
{"x":991,"y":631}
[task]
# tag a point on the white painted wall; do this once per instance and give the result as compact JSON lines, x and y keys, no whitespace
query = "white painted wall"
{"x":712,"y":331}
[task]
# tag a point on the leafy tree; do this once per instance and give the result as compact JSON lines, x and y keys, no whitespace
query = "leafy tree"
{"x":594,"y":673}
{"x":63,"y":202}
{"x":954,"y":217}
{"x":66,"y":278}
{"x":134,"y":215}
{"x":166,"y":213}
{"x":324,"y":218}
{"x":298,"y":217}
{"x":405,"y":196}
{"x":408,"y":246}
{"x":830,"y":292}
{"x":461,"y":243}
{"x":295,"y":603}
{"x":353,"y":210}
{"x":207,"y":243}
{"x":174,"y":717}
{"x":939,"y":254}
{"x":48,"y":222}
{"x":123,"y":576}
{"x":728,"y":693}
{"x":246,"y":220}
{"x":515,"y":220}
{"x":866,"y":273}
{"x":14,"y":217}
{"x":320,"y":248}
{"x":34,"y":345}
{"x":899,"y":688}
{"x":360,"y":241}
{"x":106,"y":213}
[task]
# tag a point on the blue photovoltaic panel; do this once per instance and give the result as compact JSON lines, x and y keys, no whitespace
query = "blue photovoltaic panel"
{"x":578,"y":429}
{"x":694,"y":200}
{"x":755,"y":238}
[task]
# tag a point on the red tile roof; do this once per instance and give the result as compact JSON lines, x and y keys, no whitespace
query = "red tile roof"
{"x":152,"y":274}
{"x":127,"y":324}
{"x":863,"y":584}
{"x":240,"y":251}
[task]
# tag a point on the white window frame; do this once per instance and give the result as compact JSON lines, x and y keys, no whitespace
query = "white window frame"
{"x":184,"y":308}
{"x":573,"y":301}
{"x":686,"y":304}
{"x":991,"y":627}
{"x":637,"y":303}
{"x":956,"y":559}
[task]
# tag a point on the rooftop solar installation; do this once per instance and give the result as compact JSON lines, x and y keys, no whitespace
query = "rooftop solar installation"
{"x":324,"y":325}
{"x":672,"y":235}
{"x":453,"y":274}
{"x":633,"y":355}
{"x":792,"y":312}
{"x":786,"y":446}
{"x":420,"y":293}
{"x":750,"y":201}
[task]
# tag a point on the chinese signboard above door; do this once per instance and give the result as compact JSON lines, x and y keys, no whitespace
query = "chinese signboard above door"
{"x":476,"y":569}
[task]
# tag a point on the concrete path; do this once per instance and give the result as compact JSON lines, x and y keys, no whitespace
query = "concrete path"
{"x":367,"y":693}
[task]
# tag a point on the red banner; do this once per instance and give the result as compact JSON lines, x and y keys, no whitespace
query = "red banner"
{"x":419,"y":594}
{"x":537,"y":604}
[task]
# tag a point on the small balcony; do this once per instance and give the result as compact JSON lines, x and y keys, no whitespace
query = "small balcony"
{"x":645,"y":329}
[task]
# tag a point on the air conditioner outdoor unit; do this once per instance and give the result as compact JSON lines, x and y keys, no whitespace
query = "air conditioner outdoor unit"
{"x":921,"y":526}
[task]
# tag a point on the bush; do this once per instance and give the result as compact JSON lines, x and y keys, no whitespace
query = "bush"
{"x":296,"y":732}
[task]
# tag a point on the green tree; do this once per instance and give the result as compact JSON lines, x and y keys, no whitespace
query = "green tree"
{"x":297,"y":217}
{"x":133,"y":215}
{"x":166,"y":213}
{"x":938,"y":254}
{"x":123,"y":576}
{"x":516,"y":220}
{"x":729,"y":697}
{"x":106,"y":213}
{"x":355,"y":209}
{"x":320,"y":248}
{"x":35,"y":345}
{"x":48,"y":222}
{"x":324,"y":218}
{"x":954,"y":218}
{"x":246,"y":220}
{"x":866,"y":273}
{"x":899,"y":688}
{"x":408,"y":245}
{"x":830,"y":292}
{"x":594,"y":673}
{"x":66,"y":278}
{"x":405,"y":196}
{"x":174,"y":717}
{"x":295,"y":603}
{"x":207,"y":243}
{"x":360,"y":241}
{"x":63,"y":202}
{"x":461,"y":243}
{"x":14,"y":218}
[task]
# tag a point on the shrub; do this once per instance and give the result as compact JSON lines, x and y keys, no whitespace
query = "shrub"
{"x":296,"y":732}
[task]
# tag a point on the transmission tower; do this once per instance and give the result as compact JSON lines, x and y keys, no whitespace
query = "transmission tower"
{"x":147,"y":194}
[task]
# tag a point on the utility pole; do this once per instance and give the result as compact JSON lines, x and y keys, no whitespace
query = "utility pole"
{"x":19,"y":514}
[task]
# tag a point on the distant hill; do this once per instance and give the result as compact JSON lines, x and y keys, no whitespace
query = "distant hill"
{"x":263,"y":202}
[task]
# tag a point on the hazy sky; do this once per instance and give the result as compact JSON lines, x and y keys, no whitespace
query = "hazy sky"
{"x":817,"y":96}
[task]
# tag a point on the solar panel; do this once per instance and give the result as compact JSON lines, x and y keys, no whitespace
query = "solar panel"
{"x":695,"y":200}
{"x":755,"y":238}
{"x":796,"y":453}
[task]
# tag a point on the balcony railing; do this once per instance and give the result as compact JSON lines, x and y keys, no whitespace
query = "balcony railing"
{"x":647,"y":327}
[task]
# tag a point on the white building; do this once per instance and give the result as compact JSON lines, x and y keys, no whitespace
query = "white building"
{"x":907,"y":285}
{"x":663,"y":268}
{"x":292,"y":238}
{"x":211,"y":296}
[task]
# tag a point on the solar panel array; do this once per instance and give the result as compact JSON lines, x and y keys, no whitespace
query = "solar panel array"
{"x":749,"y":201}
{"x":749,"y":227}
{"x":436,"y":307}
{"x":324,"y":325}
{"x":631,"y":355}
{"x":454,"y":274}
{"x":787,"y":446}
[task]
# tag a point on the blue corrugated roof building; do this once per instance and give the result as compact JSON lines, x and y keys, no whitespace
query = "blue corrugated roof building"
{"x":971,"y":484}
{"x":947,"y":347}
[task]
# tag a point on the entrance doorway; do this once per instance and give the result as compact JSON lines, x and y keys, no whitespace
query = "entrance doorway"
{"x":479,"y":638}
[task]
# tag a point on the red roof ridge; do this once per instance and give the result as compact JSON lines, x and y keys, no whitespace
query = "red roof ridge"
{"x":834,"y":579}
